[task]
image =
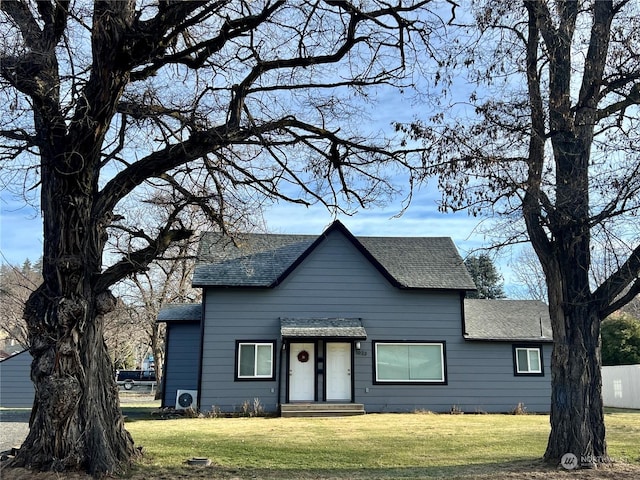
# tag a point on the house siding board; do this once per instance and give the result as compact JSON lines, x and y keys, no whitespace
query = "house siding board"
{"x":336,"y":280}
{"x":182,"y":360}
{"x":480,"y":380}
{"x":16,"y":387}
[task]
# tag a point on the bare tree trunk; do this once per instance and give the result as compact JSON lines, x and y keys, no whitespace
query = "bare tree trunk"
{"x":76,"y":421}
{"x":157,"y":347}
{"x":577,"y":411}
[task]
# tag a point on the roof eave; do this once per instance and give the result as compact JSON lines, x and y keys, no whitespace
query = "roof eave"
{"x":177,"y":320}
{"x":508,"y":340}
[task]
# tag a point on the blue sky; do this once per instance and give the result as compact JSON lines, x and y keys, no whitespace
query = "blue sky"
{"x":21,"y":226}
{"x":20,"y":231}
{"x":422,"y":219}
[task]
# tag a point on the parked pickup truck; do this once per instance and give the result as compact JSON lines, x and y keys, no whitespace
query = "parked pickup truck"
{"x":129,"y":378}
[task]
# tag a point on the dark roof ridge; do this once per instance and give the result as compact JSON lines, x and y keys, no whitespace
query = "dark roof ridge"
{"x":268,"y":259}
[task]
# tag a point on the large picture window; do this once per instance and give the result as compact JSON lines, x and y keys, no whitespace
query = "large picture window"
{"x":409,"y":362}
{"x":528,"y":360}
{"x":254,"y":360}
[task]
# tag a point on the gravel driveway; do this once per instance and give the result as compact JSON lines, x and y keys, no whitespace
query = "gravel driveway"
{"x":14,"y":422}
{"x":14,"y":426}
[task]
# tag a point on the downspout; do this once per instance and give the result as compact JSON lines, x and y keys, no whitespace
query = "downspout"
{"x":282,"y":350}
{"x":163,"y":403}
{"x":203,"y":316}
{"x":463,"y":314}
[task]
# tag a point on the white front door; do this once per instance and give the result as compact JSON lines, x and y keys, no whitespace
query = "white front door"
{"x":338,"y":374}
{"x":302,"y":372}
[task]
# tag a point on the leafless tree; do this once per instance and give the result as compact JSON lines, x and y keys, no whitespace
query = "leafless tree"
{"x":124,"y":335}
{"x":529,"y":275}
{"x":166,"y":280}
{"x":16,"y":285}
{"x":552,"y":137}
{"x":222,"y":102}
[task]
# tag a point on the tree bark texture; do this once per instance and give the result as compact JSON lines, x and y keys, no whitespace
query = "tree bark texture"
{"x":577,"y":415}
{"x":560,"y":227}
{"x":76,"y":421}
{"x":577,"y":410}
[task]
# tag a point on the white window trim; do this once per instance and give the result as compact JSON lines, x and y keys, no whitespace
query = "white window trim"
{"x":443,"y":375}
{"x":529,"y":370}
{"x":255,"y":360}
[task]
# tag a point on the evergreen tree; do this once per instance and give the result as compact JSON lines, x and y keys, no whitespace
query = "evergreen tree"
{"x":486,"y":277}
{"x":621,"y":341}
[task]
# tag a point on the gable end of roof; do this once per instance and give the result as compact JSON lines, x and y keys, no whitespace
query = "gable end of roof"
{"x":266,"y":260}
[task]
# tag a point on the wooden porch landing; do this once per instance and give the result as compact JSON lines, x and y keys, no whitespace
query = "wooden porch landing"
{"x":321,"y":409}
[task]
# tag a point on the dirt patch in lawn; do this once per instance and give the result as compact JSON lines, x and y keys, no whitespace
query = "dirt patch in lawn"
{"x":518,"y":471}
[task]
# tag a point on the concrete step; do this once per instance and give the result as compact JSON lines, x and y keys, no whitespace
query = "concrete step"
{"x":321,"y":409}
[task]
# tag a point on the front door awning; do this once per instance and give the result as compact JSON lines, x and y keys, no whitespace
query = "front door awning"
{"x":347,"y":328}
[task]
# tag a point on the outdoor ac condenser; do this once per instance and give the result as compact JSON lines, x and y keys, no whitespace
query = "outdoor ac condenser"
{"x":186,"y":399}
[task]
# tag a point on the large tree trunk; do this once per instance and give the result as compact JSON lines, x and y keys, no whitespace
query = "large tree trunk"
{"x":76,"y":422}
{"x":577,"y":415}
{"x":577,"y":411}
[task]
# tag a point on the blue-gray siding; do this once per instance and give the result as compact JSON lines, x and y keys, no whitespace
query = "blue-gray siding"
{"x":16,"y":388}
{"x":337,"y":281}
{"x":182,"y":359}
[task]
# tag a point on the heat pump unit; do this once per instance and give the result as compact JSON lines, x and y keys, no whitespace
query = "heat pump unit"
{"x":186,"y":399}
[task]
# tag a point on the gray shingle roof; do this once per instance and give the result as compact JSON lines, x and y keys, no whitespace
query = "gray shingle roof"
{"x":264,"y":260}
{"x":248,"y":260}
{"x":507,"y":320}
{"x":180,"y":312}
{"x":421,"y":262}
{"x":322,"y":327}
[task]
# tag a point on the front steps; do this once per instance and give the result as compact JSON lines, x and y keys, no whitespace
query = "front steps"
{"x":321,"y":409}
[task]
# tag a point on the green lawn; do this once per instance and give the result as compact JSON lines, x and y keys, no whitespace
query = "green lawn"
{"x":370,"y":446}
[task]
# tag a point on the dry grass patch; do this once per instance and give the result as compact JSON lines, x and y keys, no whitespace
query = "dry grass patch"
{"x":372,"y":447}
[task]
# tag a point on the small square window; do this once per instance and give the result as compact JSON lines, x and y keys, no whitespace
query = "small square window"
{"x":528,"y":360}
{"x":254,"y":360}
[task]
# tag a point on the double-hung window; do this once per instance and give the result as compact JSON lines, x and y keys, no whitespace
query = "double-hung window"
{"x":528,"y":360}
{"x":409,"y":362}
{"x":254,"y":360}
